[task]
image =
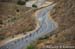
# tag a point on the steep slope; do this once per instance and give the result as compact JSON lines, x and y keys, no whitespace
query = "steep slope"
{"x":64,"y":14}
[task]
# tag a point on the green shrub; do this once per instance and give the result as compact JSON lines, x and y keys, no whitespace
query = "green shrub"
{"x":35,"y":6}
{"x":21,"y":2}
{"x":31,"y":47}
{"x":26,"y":0}
{"x":45,"y":37}
{"x":1,"y":22}
{"x":2,"y":37}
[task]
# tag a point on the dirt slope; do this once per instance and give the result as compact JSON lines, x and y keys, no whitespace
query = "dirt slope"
{"x":14,"y":20}
{"x":64,"y":14}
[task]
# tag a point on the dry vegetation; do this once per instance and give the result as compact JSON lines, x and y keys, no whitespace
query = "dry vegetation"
{"x":14,"y":20}
{"x":64,"y":14}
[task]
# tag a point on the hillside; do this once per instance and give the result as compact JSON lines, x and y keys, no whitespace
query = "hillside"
{"x":14,"y":20}
{"x":64,"y":14}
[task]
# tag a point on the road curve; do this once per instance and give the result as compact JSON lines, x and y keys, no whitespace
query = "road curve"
{"x":47,"y":25}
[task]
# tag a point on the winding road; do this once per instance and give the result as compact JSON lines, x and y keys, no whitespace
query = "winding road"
{"x":46,"y":26}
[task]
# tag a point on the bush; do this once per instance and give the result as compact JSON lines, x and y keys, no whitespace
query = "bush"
{"x":45,"y":37}
{"x":1,"y":22}
{"x":31,"y":47}
{"x":26,"y":0}
{"x":2,"y":37}
{"x":35,"y":6}
{"x":21,"y":2}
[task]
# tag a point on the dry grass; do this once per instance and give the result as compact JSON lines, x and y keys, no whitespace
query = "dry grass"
{"x":21,"y":23}
{"x":64,"y":14}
